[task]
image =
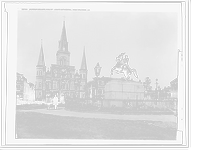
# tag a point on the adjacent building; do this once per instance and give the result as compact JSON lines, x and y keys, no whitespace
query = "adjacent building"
{"x":174,"y":88}
{"x":20,"y":85}
{"x":24,"y":91}
{"x":61,"y":79}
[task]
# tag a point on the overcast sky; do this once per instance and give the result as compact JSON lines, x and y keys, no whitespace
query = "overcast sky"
{"x":149,"y":39}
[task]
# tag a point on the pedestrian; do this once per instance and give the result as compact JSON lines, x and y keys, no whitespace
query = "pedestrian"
{"x":55,"y":101}
{"x":48,"y":101}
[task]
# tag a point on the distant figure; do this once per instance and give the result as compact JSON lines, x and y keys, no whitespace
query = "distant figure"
{"x":48,"y":101}
{"x":55,"y":101}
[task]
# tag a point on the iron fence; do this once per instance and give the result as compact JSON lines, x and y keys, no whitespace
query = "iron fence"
{"x":125,"y":105}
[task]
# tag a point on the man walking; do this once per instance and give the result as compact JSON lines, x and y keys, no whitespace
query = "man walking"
{"x":55,"y":101}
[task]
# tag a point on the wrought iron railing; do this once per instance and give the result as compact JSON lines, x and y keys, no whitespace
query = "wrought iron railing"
{"x":126,"y":105}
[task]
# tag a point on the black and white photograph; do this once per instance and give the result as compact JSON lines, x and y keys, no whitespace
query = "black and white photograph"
{"x":97,"y":73}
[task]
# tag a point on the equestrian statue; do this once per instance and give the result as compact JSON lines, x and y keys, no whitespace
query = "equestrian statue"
{"x":123,"y":67}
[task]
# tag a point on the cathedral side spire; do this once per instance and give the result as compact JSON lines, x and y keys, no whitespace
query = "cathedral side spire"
{"x":41,"y":57}
{"x":83,"y":63}
{"x":40,"y":77}
{"x":83,"y":74}
{"x":63,"y":44}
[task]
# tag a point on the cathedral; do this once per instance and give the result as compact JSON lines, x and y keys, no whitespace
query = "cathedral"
{"x":60,"y":79}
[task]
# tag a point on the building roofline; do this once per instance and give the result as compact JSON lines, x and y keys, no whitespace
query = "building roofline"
{"x":174,"y":80}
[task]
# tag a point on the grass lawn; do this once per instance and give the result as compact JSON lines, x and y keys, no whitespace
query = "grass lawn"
{"x":42,"y":126}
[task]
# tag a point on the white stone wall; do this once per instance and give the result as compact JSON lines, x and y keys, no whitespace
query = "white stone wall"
{"x":118,"y":89}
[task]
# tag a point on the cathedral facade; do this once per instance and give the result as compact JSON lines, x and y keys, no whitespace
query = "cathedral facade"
{"x":60,"y":79}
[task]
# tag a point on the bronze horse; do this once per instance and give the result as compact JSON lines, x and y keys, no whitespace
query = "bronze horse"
{"x":126,"y":69}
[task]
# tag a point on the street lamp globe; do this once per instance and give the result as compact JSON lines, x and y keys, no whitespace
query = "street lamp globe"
{"x":97,"y":70}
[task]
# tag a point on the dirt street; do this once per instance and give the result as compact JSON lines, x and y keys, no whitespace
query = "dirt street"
{"x":36,"y":125}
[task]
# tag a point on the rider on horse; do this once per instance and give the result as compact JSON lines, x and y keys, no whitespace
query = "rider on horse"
{"x":122,"y":63}
{"x":120,"y":56}
{"x":122,"y":66}
{"x":119,"y":59}
{"x":125,"y":63}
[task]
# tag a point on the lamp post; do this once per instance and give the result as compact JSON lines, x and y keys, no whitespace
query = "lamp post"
{"x":97,"y":70}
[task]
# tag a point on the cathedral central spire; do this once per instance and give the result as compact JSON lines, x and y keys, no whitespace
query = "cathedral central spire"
{"x":83,"y":63}
{"x":63,"y":44}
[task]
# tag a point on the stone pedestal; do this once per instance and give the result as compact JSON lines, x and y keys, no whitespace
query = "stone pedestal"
{"x":119,"y":92}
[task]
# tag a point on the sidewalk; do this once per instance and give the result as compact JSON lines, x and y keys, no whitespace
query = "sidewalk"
{"x":62,"y":112}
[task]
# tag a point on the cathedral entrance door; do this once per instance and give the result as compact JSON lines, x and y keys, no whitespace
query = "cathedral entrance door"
{"x":62,"y":98}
